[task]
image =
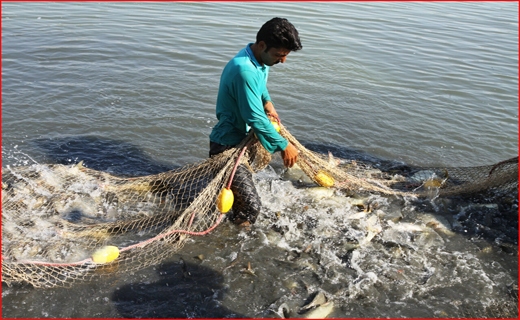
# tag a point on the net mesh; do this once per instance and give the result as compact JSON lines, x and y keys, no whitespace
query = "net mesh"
{"x":54,"y":217}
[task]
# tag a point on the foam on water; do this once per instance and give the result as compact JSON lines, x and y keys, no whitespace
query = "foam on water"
{"x":393,"y":253}
{"x":46,"y":198}
{"x":363,"y":251}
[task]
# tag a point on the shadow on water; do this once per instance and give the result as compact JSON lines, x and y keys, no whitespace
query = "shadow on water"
{"x":184,"y":290}
{"x":98,"y":153}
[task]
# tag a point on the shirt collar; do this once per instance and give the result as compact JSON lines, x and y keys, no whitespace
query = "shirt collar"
{"x":252,"y":57}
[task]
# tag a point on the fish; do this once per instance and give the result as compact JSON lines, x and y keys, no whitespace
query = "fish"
{"x":361,"y":203}
{"x":437,"y":223}
{"x":411,"y":235}
{"x":320,"y":312}
{"x":319,"y":192}
{"x":318,"y":300}
{"x":319,"y":308}
{"x":429,"y":179}
{"x":283,"y":311}
{"x":373,"y":227}
{"x":233,"y":263}
{"x":333,"y":162}
{"x":406,"y":227}
{"x":296,"y":175}
{"x":422,"y":175}
{"x":248,"y":270}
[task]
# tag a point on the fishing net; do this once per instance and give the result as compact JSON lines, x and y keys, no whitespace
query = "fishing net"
{"x":55,"y":218}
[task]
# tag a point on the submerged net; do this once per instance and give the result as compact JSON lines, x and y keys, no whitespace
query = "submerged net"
{"x":54,"y":217}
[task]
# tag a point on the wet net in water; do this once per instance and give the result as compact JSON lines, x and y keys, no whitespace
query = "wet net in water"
{"x":55,"y":218}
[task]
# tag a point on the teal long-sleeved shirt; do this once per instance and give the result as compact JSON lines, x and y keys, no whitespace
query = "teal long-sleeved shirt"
{"x":240,"y":104}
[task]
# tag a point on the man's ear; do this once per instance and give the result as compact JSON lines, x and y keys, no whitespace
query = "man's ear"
{"x":262,"y":45}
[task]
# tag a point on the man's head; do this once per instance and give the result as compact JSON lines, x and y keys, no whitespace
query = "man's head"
{"x":277,"y":37}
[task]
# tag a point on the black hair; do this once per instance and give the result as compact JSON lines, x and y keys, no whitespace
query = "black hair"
{"x":279,"y":33}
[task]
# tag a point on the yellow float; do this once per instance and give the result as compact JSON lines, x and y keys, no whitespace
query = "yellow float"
{"x":105,"y":254}
{"x":324,"y":179}
{"x":225,"y":200}
{"x":276,"y":126}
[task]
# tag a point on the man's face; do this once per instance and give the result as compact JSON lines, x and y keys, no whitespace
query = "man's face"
{"x":274,"y":55}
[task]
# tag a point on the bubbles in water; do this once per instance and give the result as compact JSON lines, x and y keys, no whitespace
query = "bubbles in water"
{"x":375,"y":248}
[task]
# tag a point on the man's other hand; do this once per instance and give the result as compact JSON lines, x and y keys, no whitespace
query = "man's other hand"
{"x":290,"y":155}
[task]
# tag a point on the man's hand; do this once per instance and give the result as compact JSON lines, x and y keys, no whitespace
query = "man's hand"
{"x":270,"y":110}
{"x":290,"y":155}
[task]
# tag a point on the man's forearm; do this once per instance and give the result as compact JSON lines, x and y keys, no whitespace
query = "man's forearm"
{"x":269,"y":109}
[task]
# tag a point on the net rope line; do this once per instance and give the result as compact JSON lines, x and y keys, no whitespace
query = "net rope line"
{"x":130,"y":247}
{"x":168,"y":207}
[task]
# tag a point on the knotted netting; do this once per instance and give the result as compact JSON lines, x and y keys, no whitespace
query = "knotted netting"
{"x":55,"y":217}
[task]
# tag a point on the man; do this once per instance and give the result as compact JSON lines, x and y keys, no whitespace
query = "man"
{"x":243,"y":103}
